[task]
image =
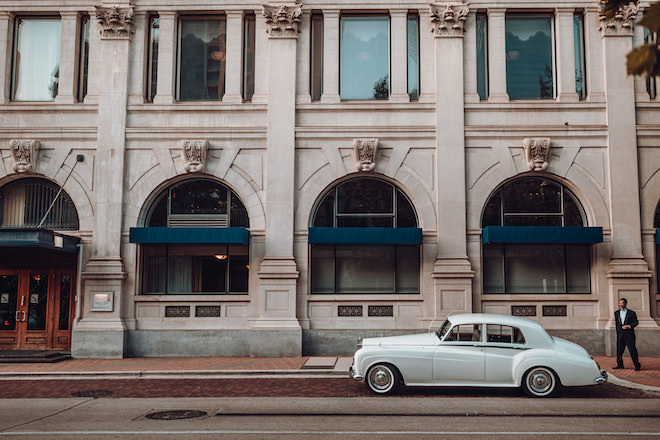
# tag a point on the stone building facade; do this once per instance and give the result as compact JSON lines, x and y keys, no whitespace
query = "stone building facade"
{"x":236,"y":178}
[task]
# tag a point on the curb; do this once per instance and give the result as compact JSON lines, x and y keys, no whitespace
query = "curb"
{"x":633,"y":385}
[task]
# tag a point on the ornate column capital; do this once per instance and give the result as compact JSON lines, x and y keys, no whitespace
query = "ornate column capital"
{"x":622,"y":21}
{"x":25,"y":153}
{"x":448,"y":19}
{"x":282,"y":21}
{"x":115,"y":22}
{"x":365,"y":153}
{"x":194,"y":154}
{"x":536,"y":153}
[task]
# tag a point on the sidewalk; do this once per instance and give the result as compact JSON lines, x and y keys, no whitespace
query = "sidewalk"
{"x":217,"y":367}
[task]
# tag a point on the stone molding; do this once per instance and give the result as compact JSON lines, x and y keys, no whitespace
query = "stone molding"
{"x":194,"y":154}
{"x":365,"y":153}
{"x":25,"y":152}
{"x":448,"y":19}
{"x":282,"y":21}
{"x":536,"y":153}
{"x":115,"y":23}
{"x":621,"y":23}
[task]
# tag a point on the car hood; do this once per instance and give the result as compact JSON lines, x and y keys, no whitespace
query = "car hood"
{"x":416,"y":339}
{"x":569,"y":347}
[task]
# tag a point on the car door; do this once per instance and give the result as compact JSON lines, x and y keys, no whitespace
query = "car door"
{"x":459,"y":358}
{"x":504,"y":344}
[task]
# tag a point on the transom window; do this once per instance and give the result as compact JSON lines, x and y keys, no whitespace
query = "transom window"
{"x":25,"y":202}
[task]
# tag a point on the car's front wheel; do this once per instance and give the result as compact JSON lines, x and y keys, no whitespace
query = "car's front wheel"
{"x":540,"y":382}
{"x":383,"y":379}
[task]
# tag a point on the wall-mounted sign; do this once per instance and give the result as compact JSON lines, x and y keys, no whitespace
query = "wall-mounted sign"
{"x":4,"y":298}
{"x":102,"y":301}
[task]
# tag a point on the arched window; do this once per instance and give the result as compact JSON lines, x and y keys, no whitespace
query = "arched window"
{"x":25,"y":202}
{"x":195,"y":241}
{"x":535,"y":240}
{"x":364,"y":240}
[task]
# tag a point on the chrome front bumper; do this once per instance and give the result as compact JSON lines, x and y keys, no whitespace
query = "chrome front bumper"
{"x":351,"y":373}
{"x":603,"y":377}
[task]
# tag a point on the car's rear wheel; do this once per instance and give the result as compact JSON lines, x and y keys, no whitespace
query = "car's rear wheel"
{"x":383,"y":379}
{"x":540,"y":382}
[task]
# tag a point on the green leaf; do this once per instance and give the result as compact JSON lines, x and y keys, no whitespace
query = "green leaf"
{"x":651,"y":19}
{"x":643,"y":60}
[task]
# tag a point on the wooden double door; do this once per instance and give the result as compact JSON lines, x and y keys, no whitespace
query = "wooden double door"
{"x":36,"y":309}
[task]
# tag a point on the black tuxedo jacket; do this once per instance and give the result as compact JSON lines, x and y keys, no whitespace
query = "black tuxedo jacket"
{"x":631,"y":320}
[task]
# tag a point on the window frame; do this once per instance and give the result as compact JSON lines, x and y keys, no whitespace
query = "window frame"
{"x":580,"y":17}
{"x":83,"y":57}
{"x":316,"y":56}
{"x":412,"y":17}
{"x":482,"y":16}
{"x":248,"y":69}
{"x":153,"y":47}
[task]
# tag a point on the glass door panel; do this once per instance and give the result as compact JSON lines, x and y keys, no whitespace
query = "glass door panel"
{"x":8,"y":301}
{"x":37,"y":301}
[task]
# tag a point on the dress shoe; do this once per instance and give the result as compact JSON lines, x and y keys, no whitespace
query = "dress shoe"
{"x":638,"y":367}
{"x":618,"y":367}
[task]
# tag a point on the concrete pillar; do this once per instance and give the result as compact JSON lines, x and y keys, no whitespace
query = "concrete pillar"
{"x":276,"y":331}
{"x":628,"y":272}
{"x":234,"y":57}
{"x":399,"y":51}
{"x":166,"y":57}
{"x":69,"y":55}
{"x":452,"y":272}
{"x":102,"y":333}
{"x":497,"y":55}
{"x":565,"y":55}
{"x":330,"y":56}
{"x":6,"y":49}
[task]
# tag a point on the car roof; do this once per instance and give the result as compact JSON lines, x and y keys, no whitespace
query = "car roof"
{"x":534,"y":332}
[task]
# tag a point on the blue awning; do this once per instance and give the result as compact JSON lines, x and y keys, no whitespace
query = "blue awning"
{"x":541,"y":234}
{"x":37,"y":237}
{"x":189,"y":235}
{"x":365,"y":236}
{"x":657,"y":236}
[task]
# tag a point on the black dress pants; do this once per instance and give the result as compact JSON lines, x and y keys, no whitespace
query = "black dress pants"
{"x":623,"y":340}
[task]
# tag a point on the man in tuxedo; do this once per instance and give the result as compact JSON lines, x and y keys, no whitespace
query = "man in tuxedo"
{"x":626,"y":321}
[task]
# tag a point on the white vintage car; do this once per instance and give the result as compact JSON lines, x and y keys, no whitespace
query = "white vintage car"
{"x":476,"y":350}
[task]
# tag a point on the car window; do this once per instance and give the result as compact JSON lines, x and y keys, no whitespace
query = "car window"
{"x":465,"y":333}
{"x":444,"y":329}
{"x":504,"y":334}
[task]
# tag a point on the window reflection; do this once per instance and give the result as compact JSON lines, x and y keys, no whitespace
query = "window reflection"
{"x":413,"y":56}
{"x":365,"y":57}
{"x":482,"y":55}
{"x":36,"y":59}
{"x":152,"y":65}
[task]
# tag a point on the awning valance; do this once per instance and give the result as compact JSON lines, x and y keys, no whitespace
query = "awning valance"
{"x":38,"y":237}
{"x":163,"y":235}
{"x":365,"y":236}
{"x":541,"y":234}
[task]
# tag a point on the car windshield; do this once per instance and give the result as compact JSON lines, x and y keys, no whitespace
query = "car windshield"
{"x":444,"y":329}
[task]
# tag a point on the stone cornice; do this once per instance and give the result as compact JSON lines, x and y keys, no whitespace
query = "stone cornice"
{"x":448,"y":19}
{"x":622,"y":22}
{"x":115,"y":22}
{"x":282,"y":21}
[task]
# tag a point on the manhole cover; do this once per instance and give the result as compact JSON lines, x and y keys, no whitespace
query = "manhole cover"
{"x":176,"y":415}
{"x":93,"y":393}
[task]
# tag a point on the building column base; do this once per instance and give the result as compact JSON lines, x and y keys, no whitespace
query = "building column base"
{"x":629,"y":278}
{"x":452,"y":288}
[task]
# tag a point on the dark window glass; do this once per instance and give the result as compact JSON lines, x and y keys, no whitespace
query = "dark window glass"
{"x":532,"y":195}
{"x":365,"y":222}
{"x":532,"y":220}
{"x":199,"y":197}
{"x":656,"y":217}
{"x":364,"y":66}
{"x":202,"y":58}
{"x":248,"y":56}
{"x":482,"y":55}
{"x":8,"y":301}
{"x":83,"y":63}
{"x":317,"y":57}
{"x":580,"y":76}
{"x":413,"y":56}
{"x":152,"y":62}
{"x":365,"y":196}
{"x":37,"y":301}
{"x":405,"y":214}
{"x":650,"y":81}
{"x":65,"y":301}
{"x":325,"y":213}
{"x":493,"y":212}
{"x":529,"y":57}
{"x":159,"y":212}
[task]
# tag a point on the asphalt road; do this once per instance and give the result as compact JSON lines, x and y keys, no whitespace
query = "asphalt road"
{"x":249,"y":418}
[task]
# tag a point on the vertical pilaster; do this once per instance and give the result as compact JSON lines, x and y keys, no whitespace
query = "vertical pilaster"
{"x":628,"y":272}
{"x":166,"y":54}
{"x":69,"y":52}
{"x":278,"y":274}
{"x":452,"y":272}
{"x":594,"y":61}
{"x":565,"y":55}
{"x":137,"y":71}
{"x":6,"y":51}
{"x":261,"y":60}
{"x":330,"y":56}
{"x":234,"y":57}
{"x":399,"y":61}
{"x":303,"y":60}
{"x":102,"y":333}
{"x":95,"y":61}
{"x":470,"y":59}
{"x":426,"y":52}
{"x":497,"y":55}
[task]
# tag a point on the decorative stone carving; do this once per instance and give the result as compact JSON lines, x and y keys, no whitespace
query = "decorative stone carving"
{"x":115,"y":22}
{"x":621,"y":23}
{"x":25,"y":153}
{"x":194,"y":154}
{"x":282,"y":21}
{"x":536,"y":153}
{"x":365,"y":153}
{"x":449,"y":19}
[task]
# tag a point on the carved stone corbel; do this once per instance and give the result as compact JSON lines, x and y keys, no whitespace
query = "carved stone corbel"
{"x":194,"y":154}
{"x":282,"y":21}
{"x":536,"y":153}
{"x":25,"y":152}
{"x":365,"y":153}
{"x":115,"y":22}
{"x":621,"y":23}
{"x":448,"y":20}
